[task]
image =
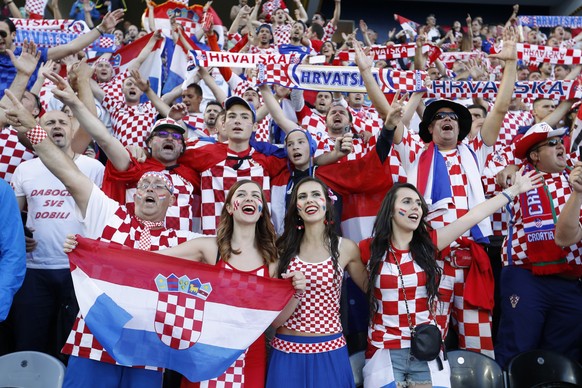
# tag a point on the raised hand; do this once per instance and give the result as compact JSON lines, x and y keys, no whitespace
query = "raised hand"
{"x":394,"y":116}
{"x":17,"y":115}
{"x":27,"y":60}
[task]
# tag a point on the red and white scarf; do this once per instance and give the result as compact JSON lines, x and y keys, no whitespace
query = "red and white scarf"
{"x":539,"y":223}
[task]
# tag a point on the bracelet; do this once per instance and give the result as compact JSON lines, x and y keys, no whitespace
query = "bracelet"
{"x":507,"y":194}
{"x":99,"y":30}
{"x":299,"y":295}
{"x":8,"y":3}
{"x":36,"y":135}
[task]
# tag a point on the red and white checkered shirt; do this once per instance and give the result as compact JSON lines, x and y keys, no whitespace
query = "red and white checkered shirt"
{"x":282,"y":34}
{"x":328,"y":31}
{"x":195,"y":121}
{"x":318,"y":311}
{"x":272,"y":49}
{"x":326,"y":144}
{"x":12,"y":153}
{"x":390,"y":328}
{"x":516,"y":245}
{"x":119,"y":226}
{"x":366,"y":120}
{"x":312,"y":120}
{"x":131,"y":124}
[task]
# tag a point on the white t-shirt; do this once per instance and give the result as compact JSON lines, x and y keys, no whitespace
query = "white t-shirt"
{"x":51,"y":209}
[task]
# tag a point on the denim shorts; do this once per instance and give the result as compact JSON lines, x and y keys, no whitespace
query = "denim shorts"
{"x":408,"y":371}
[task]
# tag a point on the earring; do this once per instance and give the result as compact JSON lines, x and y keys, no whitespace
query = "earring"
{"x":300,"y":225}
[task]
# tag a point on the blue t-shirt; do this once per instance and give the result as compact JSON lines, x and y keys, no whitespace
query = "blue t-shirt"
{"x":8,"y":71}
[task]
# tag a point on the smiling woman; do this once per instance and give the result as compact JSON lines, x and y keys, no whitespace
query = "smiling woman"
{"x":406,"y":273}
{"x":312,"y":334}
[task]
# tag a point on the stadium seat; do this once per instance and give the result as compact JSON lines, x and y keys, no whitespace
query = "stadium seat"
{"x":31,"y":370}
{"x":543,"y":368}
{"x":471,"y":369}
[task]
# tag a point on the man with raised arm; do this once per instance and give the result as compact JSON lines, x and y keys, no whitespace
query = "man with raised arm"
{"x":107,"y":220}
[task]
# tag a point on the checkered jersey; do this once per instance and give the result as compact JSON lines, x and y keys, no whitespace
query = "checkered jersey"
{"x":263,"y":129}
{"x":312,"y":120}
{"x":195,"y":121}
{"x":179,"y":216}
{"x":390,"y":328}
{"x":12,"y":153}
{"x":511,"y":123}
{"x":516,"y":245}
{"x":218,"y":179}
{"x":366,"y":120}
{"x":328,"y":31}
{"x":131,"y":124}
{"x":36,"y":7}
{"x":318,"y":311}
{"x":494,"y":164}
{"x":326,"y":144}
{"x":282,"y":34}
{"x":272,"y":49}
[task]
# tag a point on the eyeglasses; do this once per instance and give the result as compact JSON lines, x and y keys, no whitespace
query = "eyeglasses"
{"x":155,"y":186}
{"x":166,"y":134}
{"x":551,"y":143}
{"x":442,"y":115}
{"x":3,"y":34}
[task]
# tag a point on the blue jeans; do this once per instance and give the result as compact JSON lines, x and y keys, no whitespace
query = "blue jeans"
{"x":407,"y":369}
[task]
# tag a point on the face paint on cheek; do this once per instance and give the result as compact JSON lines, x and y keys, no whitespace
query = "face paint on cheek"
{"x":322,"y":200}
{"x":402,"y":212}
{"x":236,"y":205}
{"x":138,"y":196}
{"x":162,"y":196}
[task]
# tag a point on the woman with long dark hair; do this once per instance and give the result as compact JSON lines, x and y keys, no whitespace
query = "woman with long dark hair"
{"x":245,"y":242}
{"x":310,"y":344}
{"x":404,"y":278}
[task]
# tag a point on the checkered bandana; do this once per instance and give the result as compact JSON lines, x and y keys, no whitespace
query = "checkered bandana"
{"x":159,"y":175}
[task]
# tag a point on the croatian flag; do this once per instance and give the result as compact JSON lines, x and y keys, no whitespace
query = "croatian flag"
{"x":190,"y":17}
{"x":178,"y":69}
{"x":407,"y":24}
{"x":150,"y":309}
{"x":152,"y":66}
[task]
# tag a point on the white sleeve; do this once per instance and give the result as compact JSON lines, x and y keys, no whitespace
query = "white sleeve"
{"x":99,"y":210}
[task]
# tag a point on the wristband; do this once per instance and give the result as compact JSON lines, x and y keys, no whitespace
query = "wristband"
{"x":508,"y":195}
{"x":299,"y":295}
{"x":99,"y":30}
{"x":8,"y":3}
{"x":36,"y":135}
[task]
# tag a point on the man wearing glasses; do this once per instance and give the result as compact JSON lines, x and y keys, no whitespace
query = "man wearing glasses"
{"x":105,"y":219}
{"x":541,"y":297}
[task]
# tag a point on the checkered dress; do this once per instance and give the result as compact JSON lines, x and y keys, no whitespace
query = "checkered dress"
{"x":124,"y":229}
{"x":318,"y":311}
{"x":12,"y":153}
{"x":516,"y":245}
{"x":234,"y":376}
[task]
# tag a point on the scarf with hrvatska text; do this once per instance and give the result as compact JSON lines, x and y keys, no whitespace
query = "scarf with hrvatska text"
{"x":539,"y":222}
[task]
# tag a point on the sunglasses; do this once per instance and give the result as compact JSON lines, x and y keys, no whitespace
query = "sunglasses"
{"x":442,"y":115}
{"x":3,"y":34}
{"x":155,"y":186}
{"x":550,"y":143}
{"x":166,"y":134}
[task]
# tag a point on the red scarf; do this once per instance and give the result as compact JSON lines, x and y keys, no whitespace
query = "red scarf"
{"x":539,"y":223}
